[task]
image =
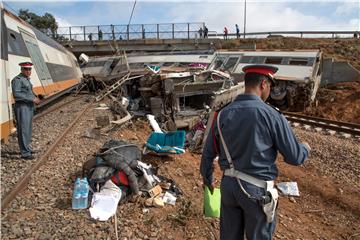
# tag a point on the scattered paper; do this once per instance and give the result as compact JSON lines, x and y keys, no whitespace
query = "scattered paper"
{"x":105,"y":202}
{"x":169,"y":198}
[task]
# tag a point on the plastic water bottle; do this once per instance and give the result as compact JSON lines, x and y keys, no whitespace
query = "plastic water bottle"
{"x":76,"y":194}
{"x":84,"y":193}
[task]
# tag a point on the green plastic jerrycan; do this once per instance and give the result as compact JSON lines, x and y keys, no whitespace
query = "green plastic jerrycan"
{"x":212,"y":202}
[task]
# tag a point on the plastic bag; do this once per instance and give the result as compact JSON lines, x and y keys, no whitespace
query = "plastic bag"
{"x":212,"y":202}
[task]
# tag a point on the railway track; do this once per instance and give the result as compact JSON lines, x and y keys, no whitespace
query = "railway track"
{"x":31,"y":166}
{"x":21,"y":184}
{"x":319,"y":124}
{"x":54,"y":108}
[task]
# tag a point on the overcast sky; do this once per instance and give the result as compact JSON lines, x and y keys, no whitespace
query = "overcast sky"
{"x":261,"y":15}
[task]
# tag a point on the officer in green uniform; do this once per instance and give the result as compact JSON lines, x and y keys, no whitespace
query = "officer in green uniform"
{"x":25,"y":99}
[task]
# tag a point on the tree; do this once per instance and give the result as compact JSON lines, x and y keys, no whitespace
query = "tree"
{"x":46,"y":23}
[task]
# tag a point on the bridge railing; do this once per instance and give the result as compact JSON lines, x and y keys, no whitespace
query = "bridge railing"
{"x":130,"y":32}
{"x":306,"y":34}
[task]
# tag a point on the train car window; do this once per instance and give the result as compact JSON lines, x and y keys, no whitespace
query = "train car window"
{"x":203,"y":56}
{"x":16,"y":44}
{"x":245,"y":59}
{"x":257,"y":59}
{"x":231,"y":62}
{"x":219,"y":62}
{"x":48,"y":40}
{"x":311,"y":61}
{"x":298,"y":61}
{"x":273,"y":60}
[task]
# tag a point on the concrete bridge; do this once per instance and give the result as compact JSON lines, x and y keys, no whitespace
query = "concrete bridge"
{"x":107,"y":47}
{"x":111,"y":39}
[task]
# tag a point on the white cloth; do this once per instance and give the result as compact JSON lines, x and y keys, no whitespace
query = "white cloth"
{"x":105,"y":202}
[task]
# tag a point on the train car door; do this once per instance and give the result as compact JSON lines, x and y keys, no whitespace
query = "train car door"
{"x":38,"y":61}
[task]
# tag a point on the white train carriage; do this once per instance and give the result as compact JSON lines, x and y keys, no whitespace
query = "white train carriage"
{"x":55,"y":68}
{"x":101,"y":67}
{"x":298,"y":75}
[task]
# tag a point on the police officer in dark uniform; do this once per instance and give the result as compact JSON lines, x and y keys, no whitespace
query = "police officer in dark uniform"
{"x":25,"y":99}
{"x":246,"y":135}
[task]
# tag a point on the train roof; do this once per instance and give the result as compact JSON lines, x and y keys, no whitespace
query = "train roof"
{"x":274,"y":53}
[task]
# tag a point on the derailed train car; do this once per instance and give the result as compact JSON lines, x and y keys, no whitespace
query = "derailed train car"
{"x":111,"y":66}
{"x":55,"y":69}
{"x":298,"y":76}
{"x":299,"y":73}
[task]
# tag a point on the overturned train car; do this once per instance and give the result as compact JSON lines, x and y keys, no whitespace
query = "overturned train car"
{"x":55,"y":69}
{"x":200,"y":79}
{"x":299,"y":73}
{"x":178,"y":92}
{"x":298,"y":76}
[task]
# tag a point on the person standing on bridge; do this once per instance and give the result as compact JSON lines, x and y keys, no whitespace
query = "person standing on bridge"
{"x":143,"y":33}
{"x":100,"y":34}
{"x":25,"y":98}
{"x":246,"y":136}
{"x":237,"y":31}
{"x":206,"y":32}
{"x":225,"y":33}
{"x":200,"y":32}
{"x":112,"y":31}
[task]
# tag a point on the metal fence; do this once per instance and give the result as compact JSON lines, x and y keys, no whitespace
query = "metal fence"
{"x":130,"y":32}
{"x":302,"y":34}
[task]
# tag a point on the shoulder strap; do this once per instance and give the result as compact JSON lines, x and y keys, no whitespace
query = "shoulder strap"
{"x":228,"y":156}
{"x":233,"y":173}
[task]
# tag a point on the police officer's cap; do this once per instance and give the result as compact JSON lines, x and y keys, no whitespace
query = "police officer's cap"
{"x":26,"y":64}
{"x":266,"y":70}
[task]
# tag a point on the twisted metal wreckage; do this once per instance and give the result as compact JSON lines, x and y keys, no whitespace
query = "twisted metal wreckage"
{"x":180,"y":90}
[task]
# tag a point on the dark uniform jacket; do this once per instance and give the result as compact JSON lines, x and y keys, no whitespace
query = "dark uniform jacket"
{"x":253,"y":132}
{"x":22,"y":89}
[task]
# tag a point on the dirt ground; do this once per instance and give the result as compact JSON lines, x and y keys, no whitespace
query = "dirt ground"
{"x":339,"y":101}
{"x":328,"y":208}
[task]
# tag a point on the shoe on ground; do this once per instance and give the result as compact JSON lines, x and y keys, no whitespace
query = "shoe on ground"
{"x":30,"y":157}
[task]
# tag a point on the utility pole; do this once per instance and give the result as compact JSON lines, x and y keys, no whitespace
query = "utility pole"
{"x":244,"y":18}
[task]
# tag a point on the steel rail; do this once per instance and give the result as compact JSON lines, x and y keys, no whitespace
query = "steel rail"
{"x":345,"y":127}
{"x":45,"y":112}
{"x":347,"y":124}
{"x":25,"y":179}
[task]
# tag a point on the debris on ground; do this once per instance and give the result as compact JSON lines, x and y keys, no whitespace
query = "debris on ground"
{"x":288,"y":188}
{"x":117,"y":174}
